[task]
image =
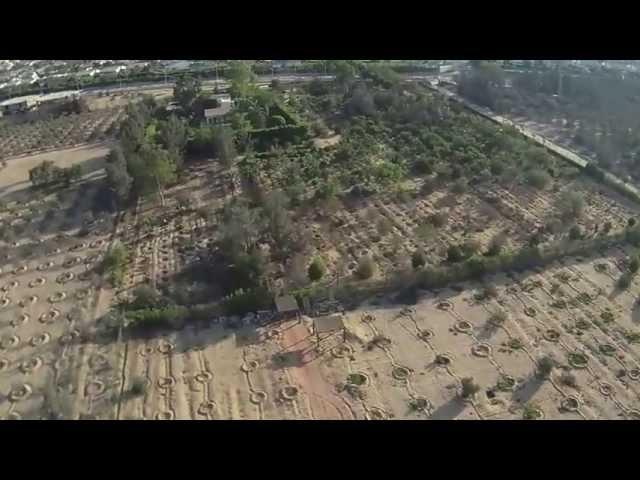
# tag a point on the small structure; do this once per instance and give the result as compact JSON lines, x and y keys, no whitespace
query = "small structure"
{"x":329,"y":324}
{"x":287,"y":307}
{"x":218,"y":114}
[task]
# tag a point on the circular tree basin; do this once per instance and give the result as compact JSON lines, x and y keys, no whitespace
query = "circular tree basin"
{"x":401,"y":373}
{"x":57,"y":297}
{"x":606,"y":389}
{"x":145,"y":350}
{"x":20,"y":393}
{"x":50,"y":316}
{"x":4,"y":302}
{"x":94,"y":388}
{"x":31,"y":365}
{"x":21,"y":320}
{"x":530,"y":312}
{"x":420,"y":403}
{"x":481,"y":350}
{"x":166,"y":382}
{"x":606,"y":349}
{"x":20,"y":269}
{"x":98,"y":361}
{"x":368,"y":318}
{"x":506,"y":383}
{"x":570,"y":404}
{"x":634,"y":374}
{"x":68,"y":337}
{"x":4,"y":364}
{"x":358,"y":379}
{"x":342,"y":351}
{"x":445,"y":305}
{"x":37,"y":282}
{"x":426,"y":334}
{"x":203,"y":377}
{"x":65,"y":277}
{"x":165,"y":347}
{"x":533,"y":414}
{"x":257,"y":397}
{"x":164,"y":415}
{"x":249,"y":366}
{"x":289,"y":392}
{"x":40,"y":339}
{"x":463,"y":326}
{"x":375,"y":413}
{"x":551,"y":335}
{"x":206,"y":408}
{"x":443,"y":360}
{"x":633,"y":414}
{"x":578,"y":360}
{"x":9,"y":342}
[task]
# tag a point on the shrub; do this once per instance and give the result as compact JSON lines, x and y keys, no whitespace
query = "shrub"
{"x":624,"y":281}
{"x":366,"y":268}
{"x":317,"y":270}
{"x":545,"y":365}
{"x":438,"y":219}
{"x":384,"y":226}
{"x":469,"y":387}
{"x":459,"y":187}
{"x":417,"y":259}
{"x":568,"y":379}
{"x":575,"y":233}
{"x":454,"y":254}
{"x":538,"y":178}
{"x":242,"y":301}
{"x":634,"y":264}
{"x":423,"y":166}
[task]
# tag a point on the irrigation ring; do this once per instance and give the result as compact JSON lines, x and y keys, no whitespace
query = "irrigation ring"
{"x":31,"y":365}
{"x":401,"y":373}
{"x":481,"y":350}
{"x":20,"y":393}
{"x":9,"y":342}
{"x":40,"y":339}
{"x":551,"y":335}
{"x":249,"y":366}
{"x":570,"y":404}
{"x":463,"y":326}
{"x":289,"y":392}
{"x":257,"y":397}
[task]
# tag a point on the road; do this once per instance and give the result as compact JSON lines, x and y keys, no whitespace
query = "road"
{"x":261,"y":80}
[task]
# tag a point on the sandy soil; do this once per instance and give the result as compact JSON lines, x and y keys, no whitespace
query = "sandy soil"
{"x":15,"y":176}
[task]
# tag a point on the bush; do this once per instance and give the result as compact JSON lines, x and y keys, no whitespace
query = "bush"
{"x":423,"y":166}
{"x":454,"y":254}
{"x":417,"y":259}
{"x":241,"y":301}
{"x":568,"y":379}
{"x":438,"y":220}
{"x":317,"y":270}
{"x":538,"y":178}
{"x":384,"y":226}
{"x":144,"y":296}
{"x":366,"y":268}
{"x":545,"y":365}
{"x":624,"y":281}
{"x":114,"y":264}
{"x":469,"y":387}
{"x":634,"y":264}
{"x":575,"y":233}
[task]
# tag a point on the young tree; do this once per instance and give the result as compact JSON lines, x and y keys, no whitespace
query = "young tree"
{"x":546,"y":364}
{"x":186,"y":92}
{"x":469,"y":387}
{"x":366,"y":268}
{"x":417,"y":259}
{"x":173,"y":137}
{"x":275,"y":211}
{"x":118,"y":178}
{"x":317,"y":269}
{"x":538,"y":178}
{"x":223,"y":146}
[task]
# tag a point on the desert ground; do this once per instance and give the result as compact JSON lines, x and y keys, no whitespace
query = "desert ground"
{"x":390,"y":361}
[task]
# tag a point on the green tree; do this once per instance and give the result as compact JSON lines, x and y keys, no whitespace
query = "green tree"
{"x":173,"y":137}
{"x":118,"y":179}
{"x":417,"y":259}
{"x":366,"y":268}
{"x":317,"y":269}
{"x":186,"y":92}
{"x":242,"y":79}
{"x":223,"y":145}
